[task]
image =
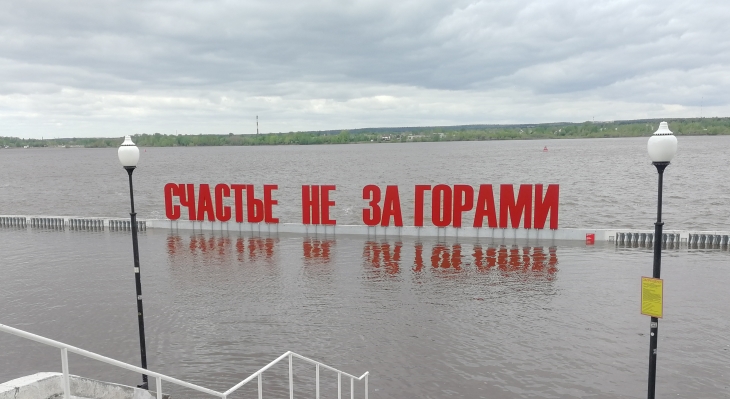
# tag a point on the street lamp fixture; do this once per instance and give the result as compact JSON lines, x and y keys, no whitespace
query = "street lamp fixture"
{"x":662,"y":147}
{"x":129,"y":156}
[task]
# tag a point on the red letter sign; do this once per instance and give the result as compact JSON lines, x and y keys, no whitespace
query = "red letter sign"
{"x":441,"y":211}
{"x":391,"y":207}
{"x":171,"y":211}
{"x":418,"y":211}
{"x":485,"y":207}
{"x":269,"y":203}
{"x":310,"y":204}
{"x":222,"y":213}
{"x":550,"y":203}
{"x":515,"y":210}
{"x":463,"y":201}
{"x":371,"y":217}
{"x":326,"y":205}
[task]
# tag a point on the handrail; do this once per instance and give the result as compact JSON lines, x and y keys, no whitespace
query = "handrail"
{"x":292,"y":354}
{"x":251,"y":377}
{"x":104,"y":359}
{"x":65,"y":348}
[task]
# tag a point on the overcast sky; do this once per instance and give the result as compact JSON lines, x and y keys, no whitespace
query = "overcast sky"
{"x":110,"y":68}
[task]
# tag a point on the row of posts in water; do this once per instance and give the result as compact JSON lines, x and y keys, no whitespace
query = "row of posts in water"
{"x":56,"y":223}
{"x":694,"y":240}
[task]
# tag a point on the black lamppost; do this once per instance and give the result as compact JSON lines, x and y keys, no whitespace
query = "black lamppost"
{"x":662,"y":147}
{"x":129,"y":156}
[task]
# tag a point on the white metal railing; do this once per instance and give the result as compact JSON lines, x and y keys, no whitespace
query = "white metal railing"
{"x":65,"y":349}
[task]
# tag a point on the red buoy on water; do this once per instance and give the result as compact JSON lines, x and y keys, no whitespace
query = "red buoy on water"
{"x":545,"y":149}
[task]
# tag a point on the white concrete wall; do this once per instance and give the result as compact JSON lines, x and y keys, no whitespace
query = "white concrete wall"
{"x":48,"y":386}
{"x":378,"y":231}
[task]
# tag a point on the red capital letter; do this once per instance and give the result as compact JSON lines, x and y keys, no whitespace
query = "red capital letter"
{"x":515,"y":210}
{"x":269,"y":203}
{"x":223,"y":213}
{"x":254,"y":206}
{"x":205,"y":203}
{"x":418,"y":211}
{"x":371,"y":217}
{"x":441,"y":210}
{"x":171,"y":211}
{"x":550,"y":203}
{"x":391,"y":207}
{"x":187,"y":198}
{"x":463,"y":201}
{"x":310,"y":204}
{"x":326,"y":204}
{"x":485,"y":207}
{"x":238,"y":198}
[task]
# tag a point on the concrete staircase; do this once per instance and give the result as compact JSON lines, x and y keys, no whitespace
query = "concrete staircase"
{"x":49,"y":386}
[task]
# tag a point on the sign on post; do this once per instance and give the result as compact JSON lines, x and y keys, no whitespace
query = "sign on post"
{"x":652,"y":297}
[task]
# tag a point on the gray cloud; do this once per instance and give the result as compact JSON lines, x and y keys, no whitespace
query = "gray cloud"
{"x":72,"y":68}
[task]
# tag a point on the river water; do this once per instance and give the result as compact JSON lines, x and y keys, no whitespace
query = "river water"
{"x":604,"y":183}
{"x":428,"y":319}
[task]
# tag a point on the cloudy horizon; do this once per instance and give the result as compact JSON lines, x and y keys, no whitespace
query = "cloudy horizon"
{"x":107,"y":69}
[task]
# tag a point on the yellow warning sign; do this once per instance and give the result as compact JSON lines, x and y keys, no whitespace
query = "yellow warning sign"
{"x":652,"y":297}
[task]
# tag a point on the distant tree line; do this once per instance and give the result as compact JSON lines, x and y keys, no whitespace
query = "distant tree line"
{"x":633,"y":128}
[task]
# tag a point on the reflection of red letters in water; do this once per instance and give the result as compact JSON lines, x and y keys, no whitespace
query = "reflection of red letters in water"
{"x":381,"y":255}
{"x":219,"y":249}
{"x":418,"y":262}
{"x":515,"y":260}
{"x":484,"y":260}
{"x":445,"y":257}
{"x":526,"y":259}
{"x":456,"y":256}
{"x":529,"y":262}
{"x":553,"y":260}
{"x":317,"y":250}
{"x":174,"y":243}
{"x":260,"y":248}
{"x":254,"y":248}
{"x":502,"y":258}
{"x":478,"y":256}
{"x":538,"y":260}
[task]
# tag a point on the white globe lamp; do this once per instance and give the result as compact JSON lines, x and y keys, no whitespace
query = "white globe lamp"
{"x":128,"y":153}
{"x":662,"y":146}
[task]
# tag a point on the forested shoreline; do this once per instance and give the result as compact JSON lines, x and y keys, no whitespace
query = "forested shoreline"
{"x":604,"y":129}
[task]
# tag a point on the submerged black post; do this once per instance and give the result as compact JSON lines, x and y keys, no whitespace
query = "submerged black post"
{"x":658,"y":240}
{"x":138,"y":281}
